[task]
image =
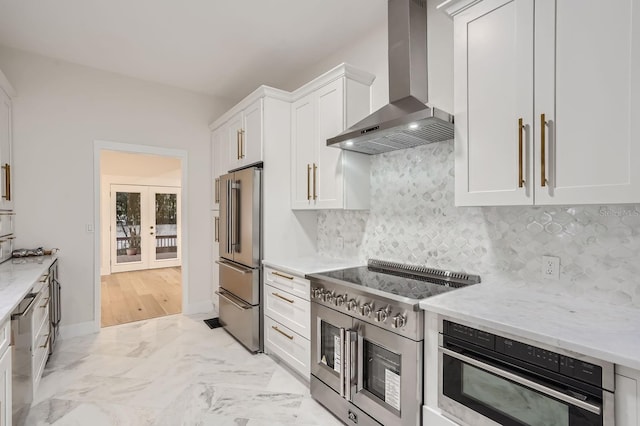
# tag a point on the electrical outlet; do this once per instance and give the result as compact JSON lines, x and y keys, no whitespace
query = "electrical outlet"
{"x":551,"y":267}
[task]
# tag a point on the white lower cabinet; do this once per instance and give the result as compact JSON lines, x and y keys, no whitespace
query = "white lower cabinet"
{"x":627,"y":402}
{"x":287,"y":325}
{"x":5,"y":374}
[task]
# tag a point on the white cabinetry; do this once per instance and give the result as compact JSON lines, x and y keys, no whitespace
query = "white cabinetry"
{"x":324,"y":177}
{"x":5,"y":374}
{"x":219,"y":163}
{"x":6,"y":199}
{"x":627,"y":393}
{"x":545,"y":102}
{"x":244,"y":136}
{"x":288,"y":319}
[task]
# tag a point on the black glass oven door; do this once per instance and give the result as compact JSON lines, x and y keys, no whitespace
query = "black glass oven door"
{"x":389,"y":379}
{"x":470,"y":386}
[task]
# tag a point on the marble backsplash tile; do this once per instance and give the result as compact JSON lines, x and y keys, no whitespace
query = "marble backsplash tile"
{"x":413,"y":219}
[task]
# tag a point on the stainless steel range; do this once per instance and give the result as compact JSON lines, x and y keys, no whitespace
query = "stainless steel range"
{"x":367,"y":339}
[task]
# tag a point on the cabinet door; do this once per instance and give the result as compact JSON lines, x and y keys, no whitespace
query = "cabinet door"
{"x":6,"y":202}
{"x":5,"y":388}
{"x":493,"y":75}
{"x":251,"y":137}
{"x":303,"y":143}
{"x":327,"y":178}
{"x":219,"y":162}
{"x":587,"y":63}
{"x":234,"y":130}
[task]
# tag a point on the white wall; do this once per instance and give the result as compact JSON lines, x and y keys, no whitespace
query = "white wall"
{"x":130,"y":169}
{"x":61,"y":109}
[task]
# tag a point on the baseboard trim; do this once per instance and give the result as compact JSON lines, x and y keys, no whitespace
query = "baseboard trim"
{"x":202,"y":307}
{"x":79,"y":329}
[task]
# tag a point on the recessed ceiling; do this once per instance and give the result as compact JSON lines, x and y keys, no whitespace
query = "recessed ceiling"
{"x":222,"y":48}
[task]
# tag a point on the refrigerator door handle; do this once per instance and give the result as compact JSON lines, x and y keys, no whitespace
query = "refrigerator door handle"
{"x":234,"y":267}
{"x":229,"y":217}
{"x":235,"y":214}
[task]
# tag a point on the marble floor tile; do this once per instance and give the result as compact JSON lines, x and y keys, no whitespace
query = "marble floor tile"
{"x":169,"y":371}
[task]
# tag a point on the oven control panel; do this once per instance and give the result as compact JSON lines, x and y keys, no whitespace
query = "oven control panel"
{"x":387,"y":314}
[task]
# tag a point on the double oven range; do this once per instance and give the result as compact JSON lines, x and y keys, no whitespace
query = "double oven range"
{"x":367,"y":335}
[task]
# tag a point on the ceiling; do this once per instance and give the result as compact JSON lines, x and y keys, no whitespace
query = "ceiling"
{"x":225,"y":48}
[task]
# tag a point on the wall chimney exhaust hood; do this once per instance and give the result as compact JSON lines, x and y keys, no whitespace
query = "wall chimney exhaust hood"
{"x":407,"y":121}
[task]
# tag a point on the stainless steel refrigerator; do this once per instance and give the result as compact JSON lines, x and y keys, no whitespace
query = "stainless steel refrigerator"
{"x":240,"y":238}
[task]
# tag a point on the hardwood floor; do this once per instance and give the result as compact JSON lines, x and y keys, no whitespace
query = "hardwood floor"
{"x":140,"y":295}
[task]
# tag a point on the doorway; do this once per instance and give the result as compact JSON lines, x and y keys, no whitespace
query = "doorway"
{"x":144,"y":227}
{"x":141,"y":226}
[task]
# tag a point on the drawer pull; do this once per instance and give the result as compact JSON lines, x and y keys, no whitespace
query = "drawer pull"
{"x":282,"y":332}
{"x":283,"y":298}
{"x":282,"y":275}
{"x":44,"y":278}
{"x":46,"y":300}
{"x":46,"y":343}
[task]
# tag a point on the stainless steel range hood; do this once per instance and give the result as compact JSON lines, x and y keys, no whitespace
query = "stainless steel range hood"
{"x":407,"y":121}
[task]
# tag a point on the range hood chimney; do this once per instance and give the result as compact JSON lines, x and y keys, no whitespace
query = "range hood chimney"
{"x":406,"y":121}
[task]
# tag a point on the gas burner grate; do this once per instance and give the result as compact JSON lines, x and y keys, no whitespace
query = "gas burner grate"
{"x":438,"y":276}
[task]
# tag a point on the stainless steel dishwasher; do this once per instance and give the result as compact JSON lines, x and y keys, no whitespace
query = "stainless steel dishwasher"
{"x":22,"y":385}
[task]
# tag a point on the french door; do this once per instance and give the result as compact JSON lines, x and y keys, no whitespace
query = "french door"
{"x":145,"y":227}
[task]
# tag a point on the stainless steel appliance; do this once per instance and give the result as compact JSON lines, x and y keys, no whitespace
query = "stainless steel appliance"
{"x":367,"y":335}
{"x":22,"y":365}
{"x":55,"y":310}
{"x":406,"y":121}
{"x":240,"y":239}
{"x":489,"y":379}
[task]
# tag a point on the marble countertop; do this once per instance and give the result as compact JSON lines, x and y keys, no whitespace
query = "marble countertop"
{"x":17,"y":277}
{"x":548,"y":315}
{"x":301,"y":266}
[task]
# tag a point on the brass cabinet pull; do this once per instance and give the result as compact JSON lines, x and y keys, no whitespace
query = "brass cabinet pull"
{"x":315,"y":169}
{"x":216,"y":197}
{"x":46,"y":343}
{"x":7,"y":182}
{"x":308,"y":181}
{"x":283,"y":298}
{"x":282,"y":332}
{"x":520,"y":131}
{"x":217,"y":234}
{"x":242,"y":143}
{"x":238,"y":144}
{"x":543,"y":151}
{"x":44,"y":278}
{"x":282,"y":275}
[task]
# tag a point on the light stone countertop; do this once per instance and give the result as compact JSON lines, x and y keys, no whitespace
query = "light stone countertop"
{"x":550,"y":315}
{"x":301,"y":266}
{"x":17,"y":277}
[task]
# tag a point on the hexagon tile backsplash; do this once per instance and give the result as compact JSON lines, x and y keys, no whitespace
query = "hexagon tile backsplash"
{"x":413,"y":219}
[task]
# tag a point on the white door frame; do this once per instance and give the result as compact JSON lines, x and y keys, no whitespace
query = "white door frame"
{"x":181,"y":154}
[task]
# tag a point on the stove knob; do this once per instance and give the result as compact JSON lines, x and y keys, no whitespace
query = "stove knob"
{"x":329,"y":296}
{"x":381,"y":315}
{"x":399,"y":321}
{"x":352,"y":305}
{"x":366,"y":309}
{"x":316,"y":293}
{"x":339,"y":300}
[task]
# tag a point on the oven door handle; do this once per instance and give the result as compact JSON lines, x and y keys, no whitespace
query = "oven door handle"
{"x":343,"y":362}
{"x":351,"y":358}
{"x":595,"y":409}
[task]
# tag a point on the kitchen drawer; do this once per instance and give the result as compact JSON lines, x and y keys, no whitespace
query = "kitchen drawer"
{"x":6,"y":223}
{"x":5,"y":335}
{"x":40,"y":312}
{"x":290,"y":283}
{"x":289,"y":346}
{"x":40,"y":353}
{"x":287,"y":309}
{"x":6,"y":247}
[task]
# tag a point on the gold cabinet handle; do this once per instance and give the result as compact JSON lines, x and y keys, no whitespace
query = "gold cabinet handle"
{"x":238,"y":144}
{"x":217,"y":233}
{"x":543,"y":151}
{"x":46,"y":342}
{"x":7,"y":182}
{"x":315,"y":169}
{"x":282,"y":275}
{"x":521,"y":181}
{"x":283,"y":298}
{"x":46,"y":299}
{"x":282,"y":332}
{"x":242,"y":143}
{"x":44,"y":278}
{"x":216,"y":188}
{"x":308,"y":181}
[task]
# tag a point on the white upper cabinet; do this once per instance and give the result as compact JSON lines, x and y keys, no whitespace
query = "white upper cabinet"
{"x":245,"y":136}
{"x":219,"y":163}
{"x":6,"y":200}
{"x":544,"y":102}
{"x":324,"y":177}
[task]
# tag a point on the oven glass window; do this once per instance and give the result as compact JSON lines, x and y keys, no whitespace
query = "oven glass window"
{"x":330,"y":348}
{"x":381,"y":373}
{"x":513,"y":400}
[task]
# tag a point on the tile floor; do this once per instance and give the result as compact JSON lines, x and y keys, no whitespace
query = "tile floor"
{"x":169,"y":371}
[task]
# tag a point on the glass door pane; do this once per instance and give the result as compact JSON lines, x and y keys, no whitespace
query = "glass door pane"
{"x":330,"y":346}
{"x":128,"y":226}
{"x":166,"y":228}
{"x":381,"y":373}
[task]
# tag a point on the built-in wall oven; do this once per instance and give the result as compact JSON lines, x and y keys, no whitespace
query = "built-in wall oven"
{"x":367,"y":336}
{"x":489,"y":379}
